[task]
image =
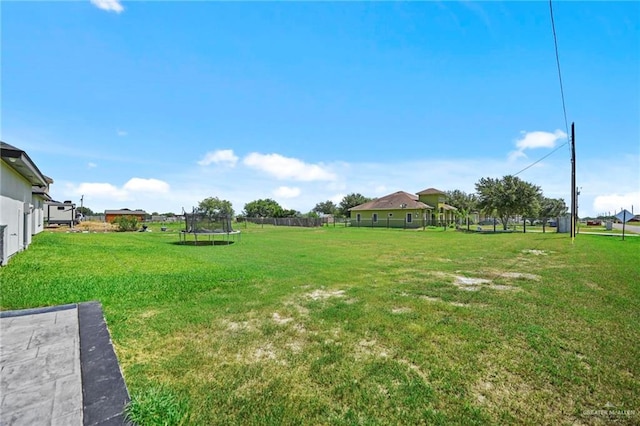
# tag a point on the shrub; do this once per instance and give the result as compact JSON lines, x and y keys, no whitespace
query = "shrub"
{"x":126,"y":223}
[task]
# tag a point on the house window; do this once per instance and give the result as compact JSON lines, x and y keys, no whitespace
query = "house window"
{"x":358,"y":217}
{"x":60,"y":207}
{"x":409,"y":218}
{"x":375,"y":217}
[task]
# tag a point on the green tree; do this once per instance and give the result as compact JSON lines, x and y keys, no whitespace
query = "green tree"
{"x":326,"y":207}
{"x":312,"y":214}
{"x":465,"y":203}
{"x":85,"y":211}
{"x":290,"y":213}
{"x":550,"y":208}
{"x":263,"y":208}
{"x":215,"y":207}
{"x":508,"y":197}
{"x":126,"y":223}
{"x":349,"y":201}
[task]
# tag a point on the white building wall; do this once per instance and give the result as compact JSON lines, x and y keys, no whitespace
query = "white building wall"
{"x":15,"y":193}
{"x":38,"y":215}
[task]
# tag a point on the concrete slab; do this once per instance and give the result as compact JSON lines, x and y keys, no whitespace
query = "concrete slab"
{"x":40,"y":379}
{"x":58,"y":367}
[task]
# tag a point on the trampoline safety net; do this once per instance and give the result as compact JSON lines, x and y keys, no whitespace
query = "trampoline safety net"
{"x":202,"y":223}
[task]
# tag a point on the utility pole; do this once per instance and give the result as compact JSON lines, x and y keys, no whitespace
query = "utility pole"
{"x":573,"y":183}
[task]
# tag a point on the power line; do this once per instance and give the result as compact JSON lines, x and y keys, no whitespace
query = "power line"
{"x":537,"y":161}
{"x":564,"y":108}
{"x":555,"y":42}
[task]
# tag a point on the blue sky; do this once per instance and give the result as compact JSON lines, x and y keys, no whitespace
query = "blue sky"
{"x":158,"y":105}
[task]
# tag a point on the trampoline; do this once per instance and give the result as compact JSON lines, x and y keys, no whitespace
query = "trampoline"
{"x":202,"y":229}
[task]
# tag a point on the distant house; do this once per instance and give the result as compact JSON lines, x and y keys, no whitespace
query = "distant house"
{"x":397,"y":210}
{"x":404,"y":210}
{"x":23,"y":191}
{"x":111,"y":215}
{"x":443,"y":213}
{"x":57,"y":213}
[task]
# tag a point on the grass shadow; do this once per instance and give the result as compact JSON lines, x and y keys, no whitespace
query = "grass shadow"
{"x":202,"y":243}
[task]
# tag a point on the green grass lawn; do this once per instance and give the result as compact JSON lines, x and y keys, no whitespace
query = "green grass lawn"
{"x":356,"y":326}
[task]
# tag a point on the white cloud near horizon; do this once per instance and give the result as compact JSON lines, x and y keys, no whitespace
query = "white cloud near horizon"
{"x":286,"y":192}
{"x":614,"y":203}
{"x":109,"y":5}
{"x":146,"y":185}
{"x":98,"y":190}
{"x":221,"y":156}
{"x":534,"y":140}
{"x":283,"y":167}
{"x":133,"y":189}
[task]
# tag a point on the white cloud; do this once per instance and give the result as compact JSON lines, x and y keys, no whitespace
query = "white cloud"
{"x":616,"y":202}
{"x":91,"y":165}
{"x":288,"y":168}
{"x":225,"y":156}
{"x":108,"y":5}
{"x":98,"y":190}
{"x":105,"y":194}
{"x":286,"y":192}
{"x":534,"y":140}
{"x":514,"y":155}
{"x":146,"y":185}
{"x":122,"y":133}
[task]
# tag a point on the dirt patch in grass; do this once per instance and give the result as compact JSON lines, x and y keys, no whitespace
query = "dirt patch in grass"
{"x":295,"y":346}
{"x":371,"y":348}
{"x":593,"y":286}
{"x":149,"y":313}
{"x":280,"y":320}
{"x":501,"y":391}
{"x":323,"y":294}
{"x":461,"y":281}
{"x":264,"y":353}
{"x":400,"y":310}
{"x":536,"y":252}
{"x":415,"y":368}
{"x":469,"y":283}
{"x":238,"y":326}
